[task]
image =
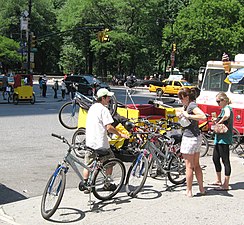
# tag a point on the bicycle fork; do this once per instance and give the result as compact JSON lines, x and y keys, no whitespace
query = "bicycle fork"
{"x":54,"y":177}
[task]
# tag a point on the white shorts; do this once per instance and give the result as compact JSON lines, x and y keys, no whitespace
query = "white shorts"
{"x":191,"y":145}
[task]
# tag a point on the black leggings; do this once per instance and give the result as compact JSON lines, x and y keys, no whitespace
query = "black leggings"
{"x":222,"y":151}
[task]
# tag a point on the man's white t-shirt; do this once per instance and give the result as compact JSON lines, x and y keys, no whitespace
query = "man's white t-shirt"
{"x":96,"y":133}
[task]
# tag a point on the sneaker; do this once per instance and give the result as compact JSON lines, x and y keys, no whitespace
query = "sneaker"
{"x":109,"y":187}
{"x":83,"y":187}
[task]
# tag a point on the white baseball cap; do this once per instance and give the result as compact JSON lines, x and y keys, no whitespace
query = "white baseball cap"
{"x":104,"y":92}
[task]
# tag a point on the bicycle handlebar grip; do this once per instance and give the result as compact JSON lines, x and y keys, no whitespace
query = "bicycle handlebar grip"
{"x":57,"y":136}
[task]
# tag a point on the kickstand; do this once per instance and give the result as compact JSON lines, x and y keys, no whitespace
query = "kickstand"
{"x":90,"y":202}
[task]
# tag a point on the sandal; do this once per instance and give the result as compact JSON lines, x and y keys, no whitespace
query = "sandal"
{"x":221,"y":189}
{"x":216,"y":183}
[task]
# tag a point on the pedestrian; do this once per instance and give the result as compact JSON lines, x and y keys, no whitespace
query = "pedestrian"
{"x":4,"y":85}
{"x":40,"y":84}
{"x":191,"y":138}
{"x":222,"y":142}
{"x":98,"y":123}
{"x":55,"y":88}
{"x":44,"y":86}
{"x":63,"y":89}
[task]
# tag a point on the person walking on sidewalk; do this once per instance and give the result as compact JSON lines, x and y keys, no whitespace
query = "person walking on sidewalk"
{"x":63,"y":89}
{"x":98,"y":123}
{"x":222,"y":142}
{"x":40,"y":84}
{"x":191,"y":139}
{"x":55,"y":88}
{"x":44,"y":86}
{"x":4,"y":85}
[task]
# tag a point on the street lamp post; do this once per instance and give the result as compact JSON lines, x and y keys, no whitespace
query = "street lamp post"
{"x":29,"y":37}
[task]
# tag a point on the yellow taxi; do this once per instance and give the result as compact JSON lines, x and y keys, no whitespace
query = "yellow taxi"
{"x":170,"y":87}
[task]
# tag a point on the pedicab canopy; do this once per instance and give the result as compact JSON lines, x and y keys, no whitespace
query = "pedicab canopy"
{"x":23,"y":79}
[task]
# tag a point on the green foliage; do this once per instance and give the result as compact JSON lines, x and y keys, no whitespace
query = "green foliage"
{"x":141,"y":33}
{"x":8,"y":51}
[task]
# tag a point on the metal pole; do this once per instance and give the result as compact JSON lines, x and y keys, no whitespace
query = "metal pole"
{"x":29,"y":37}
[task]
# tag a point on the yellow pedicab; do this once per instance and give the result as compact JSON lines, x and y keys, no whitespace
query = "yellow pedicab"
{"x":23,"y":88}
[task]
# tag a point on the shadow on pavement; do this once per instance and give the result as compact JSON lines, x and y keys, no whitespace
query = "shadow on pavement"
{"x":8,"y":195}
{"x":67,"y":215}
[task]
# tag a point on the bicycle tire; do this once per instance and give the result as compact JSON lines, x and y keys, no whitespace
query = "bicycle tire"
{"x":177,"y":170}
{"x":47,"y":213}
{"x":65,"y":116}
{"x":137,"y":175}
{"x":204,"y":147}
{"x":113,"y":104}
{"x":100,"y":179}
{"x":78,"y":140}
{"x":10,"y":98}
{"x":236,"y":139}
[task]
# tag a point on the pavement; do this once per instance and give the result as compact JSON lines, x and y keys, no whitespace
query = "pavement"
{"x":157,"y":203}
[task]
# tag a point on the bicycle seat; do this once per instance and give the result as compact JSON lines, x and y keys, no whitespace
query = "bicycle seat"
{"x":177,"y":138}
{"x":99,"y":152}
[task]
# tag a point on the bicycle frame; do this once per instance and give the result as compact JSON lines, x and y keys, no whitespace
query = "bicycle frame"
{"x":153,"y":150}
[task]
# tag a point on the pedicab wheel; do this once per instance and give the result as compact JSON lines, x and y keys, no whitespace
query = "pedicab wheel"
{"x":33,"y":100}
{"x":15,"y":99}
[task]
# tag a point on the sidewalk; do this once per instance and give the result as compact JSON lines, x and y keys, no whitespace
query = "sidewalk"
{"x":157,"y":204}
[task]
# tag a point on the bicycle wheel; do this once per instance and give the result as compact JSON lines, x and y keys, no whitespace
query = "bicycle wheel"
{"x":105,"y":186}
{"x":10,"y":98}
{"x":137,"y":175}
{"x":68,"y":115}
{"x":112,"y":106}
{"x":177,"y":170}
{"x":53,"y":193}
{"x":204,"y":147}
{"x":78,"y":140}
{"x":236,"y":139}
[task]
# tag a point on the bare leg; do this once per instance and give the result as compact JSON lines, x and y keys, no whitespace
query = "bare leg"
{"x":189,"y":161}
{"x":226,"y":183}
{"x":198,"y":172}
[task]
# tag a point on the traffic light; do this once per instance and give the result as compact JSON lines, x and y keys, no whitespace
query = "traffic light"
{"x":102,"y":36}
{"x":105,"y":36}
{"x":174,"y":47}
{"x":33,"y":41}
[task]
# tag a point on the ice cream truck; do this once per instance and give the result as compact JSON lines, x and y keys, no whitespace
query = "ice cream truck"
{"x":213,"y":82}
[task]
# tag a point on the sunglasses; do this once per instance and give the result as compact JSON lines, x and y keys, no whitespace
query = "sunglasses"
{"x":218,"y":101}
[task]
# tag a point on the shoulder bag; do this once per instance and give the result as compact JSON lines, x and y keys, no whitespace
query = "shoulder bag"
{"x":220,"y":128}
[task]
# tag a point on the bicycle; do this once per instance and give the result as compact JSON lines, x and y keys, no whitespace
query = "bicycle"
{"x":68,"y":113}
{"x":167,"y":163}
{"x":99,"y":177}
{"x":208,"y":134}
{"x":153,"y":151}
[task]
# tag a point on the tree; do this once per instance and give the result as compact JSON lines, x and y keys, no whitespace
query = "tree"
{"x":9,"y":56}
{"x":206,"y":29}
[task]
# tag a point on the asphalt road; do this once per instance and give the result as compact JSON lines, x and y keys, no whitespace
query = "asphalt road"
{"x":29,"y":153}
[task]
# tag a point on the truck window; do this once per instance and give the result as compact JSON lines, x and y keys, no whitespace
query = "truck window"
{"x":214,"y":80}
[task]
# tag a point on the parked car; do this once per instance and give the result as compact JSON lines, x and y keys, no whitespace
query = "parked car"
{"x":170,"y":87}
{"x":84,"y":83}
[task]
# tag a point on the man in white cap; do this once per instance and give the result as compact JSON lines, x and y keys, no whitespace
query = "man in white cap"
{"x":98,"y":123}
